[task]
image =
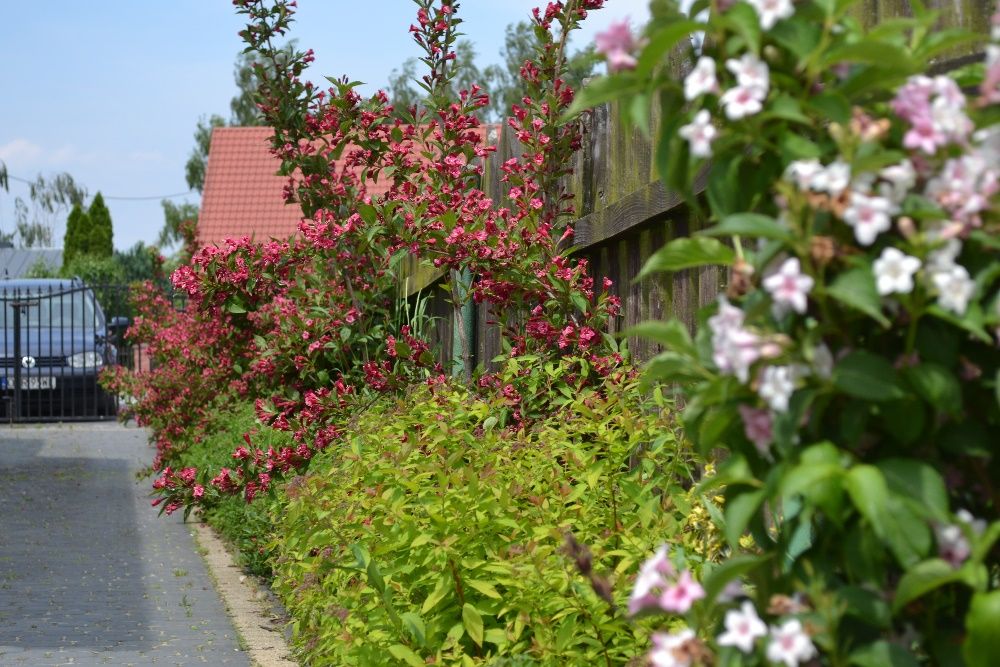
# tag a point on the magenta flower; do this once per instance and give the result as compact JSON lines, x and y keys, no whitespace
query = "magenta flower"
{"x":617,"y":44}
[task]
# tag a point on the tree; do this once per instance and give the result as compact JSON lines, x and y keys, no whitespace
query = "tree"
{"x":194,"y":168}
{"x":174,"y":216}
{"x":502,"y":81}
{"x":101,"y":232}
{"x":77,"y":240}
{"x":35,"y":223}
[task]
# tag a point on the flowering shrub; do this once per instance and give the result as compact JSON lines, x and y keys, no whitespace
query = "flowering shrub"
{"x":851,"y":371}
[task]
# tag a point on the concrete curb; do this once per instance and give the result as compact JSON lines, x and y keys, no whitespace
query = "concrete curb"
{"x":261,"y":631}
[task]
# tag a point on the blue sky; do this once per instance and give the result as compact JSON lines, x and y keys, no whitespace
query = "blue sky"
{"x":110,"y":91}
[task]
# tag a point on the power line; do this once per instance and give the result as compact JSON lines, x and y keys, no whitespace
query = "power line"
{"x":177,"y":194}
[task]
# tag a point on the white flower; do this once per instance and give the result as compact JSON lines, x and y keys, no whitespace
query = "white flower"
{"x":811,"y":175}
{"x":954,"y":288}
{"x":900,"y":178}
{"x":701,"y":80}
{"x":978,"y":525}
{"x":771,"y":11}
{"x":665,"y":651}
{"x":869,"y":216}
{"x":788,"y":286}
{"x":743,"y":627}
{"x":699,"y":133}
{"x":790,"y":644}
{"x":777,"y":384}
{"x":802,"y":172}
{"x":943,"y":258}
{"x":894,"y":272}
{"x":742,"y":101}
{"x":834,"y":179}
{"x":750,"y":72}
{"x":952,"y":544}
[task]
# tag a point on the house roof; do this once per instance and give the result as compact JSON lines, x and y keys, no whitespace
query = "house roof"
{"x":16,"y":262}
{"x":243,"y":193}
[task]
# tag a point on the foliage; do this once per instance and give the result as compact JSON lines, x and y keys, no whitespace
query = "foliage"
{"x":77,"y":238}
{"x":35,"y":222}
{"x":174,"y":218}
{"x":194,"y":168}
{"x":101,"y":231}
{"x":852,"y":372}
{"x":246,"y":526}
{"x":436,"y":535}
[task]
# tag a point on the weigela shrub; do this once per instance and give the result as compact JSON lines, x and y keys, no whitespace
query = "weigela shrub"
{"x":852,"y":369}
{"x":310,"y":328}
{"x":436,"y":535}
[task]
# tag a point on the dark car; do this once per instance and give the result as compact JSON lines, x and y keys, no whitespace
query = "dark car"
{"x":56,"y":341}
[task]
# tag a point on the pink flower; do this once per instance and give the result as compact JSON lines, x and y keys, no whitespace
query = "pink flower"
{"x":758,"y":427}
{"x":788,"y":286}
{"x":617,"y":43}
{"x":651,"y":581}
{"x":679,"y":597}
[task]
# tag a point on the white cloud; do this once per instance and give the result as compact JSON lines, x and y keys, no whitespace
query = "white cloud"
{"x":20,"y":150}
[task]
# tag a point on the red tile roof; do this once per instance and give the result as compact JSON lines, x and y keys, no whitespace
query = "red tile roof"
{"x":243,"y":193}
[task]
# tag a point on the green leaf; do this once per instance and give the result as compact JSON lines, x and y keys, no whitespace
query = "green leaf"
{"x":407,"y":655}
{"x":671,"y":334}
{"x":867,"y":376}
{"x":739,"y":511}
{"x":415,"y":625}
{"x":484,"y":587}
{"x":729,"y":570}
{"x":661,"y":42}
{"x":687,"y":253}
{"x":882,"y":654}
{"x":869,"y":492}
{"x":831,"y":105}
{"x":604,"y":89}
{"x":856,"y":288}
{"x":882,"y":54}
{"x":867,"y":605}
{"x":742,"y":19}
{"x":440,"y":590}
{"x":936,"y":385}
{"x":786,"y":107}
{"x":919,"y":481}
{"x":750,"y":224}
{"x":922,"y":579}
{"x":797,"y":147}
{"x":982,"y":627}
{"x":473,"y":623}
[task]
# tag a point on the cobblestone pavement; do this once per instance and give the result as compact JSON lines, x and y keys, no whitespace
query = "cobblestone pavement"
{"x":89,"y":575}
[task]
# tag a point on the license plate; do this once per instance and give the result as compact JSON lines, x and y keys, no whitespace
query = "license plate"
{"x":38,"y":383}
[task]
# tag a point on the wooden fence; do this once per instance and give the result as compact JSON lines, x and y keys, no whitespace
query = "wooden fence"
{"x":625,"y":214}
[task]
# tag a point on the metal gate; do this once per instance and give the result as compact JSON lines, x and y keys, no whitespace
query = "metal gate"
{"x":57,"y":336}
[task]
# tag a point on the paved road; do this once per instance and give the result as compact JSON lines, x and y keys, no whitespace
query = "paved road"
{"x":89,"y":575}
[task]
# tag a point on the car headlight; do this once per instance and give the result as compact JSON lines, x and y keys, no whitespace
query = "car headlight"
{"x":85,"y":360}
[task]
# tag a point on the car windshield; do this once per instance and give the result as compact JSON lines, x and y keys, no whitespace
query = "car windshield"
{"x":55,"y":308}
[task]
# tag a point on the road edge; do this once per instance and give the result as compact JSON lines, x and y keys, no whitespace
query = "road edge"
{"x":260,"y":631}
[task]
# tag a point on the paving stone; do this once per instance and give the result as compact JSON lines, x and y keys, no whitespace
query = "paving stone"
{"x":89,"y":574}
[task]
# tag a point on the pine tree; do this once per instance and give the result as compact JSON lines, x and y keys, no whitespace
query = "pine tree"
{"x":77,"y":241}
{"x":100,"y":234}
